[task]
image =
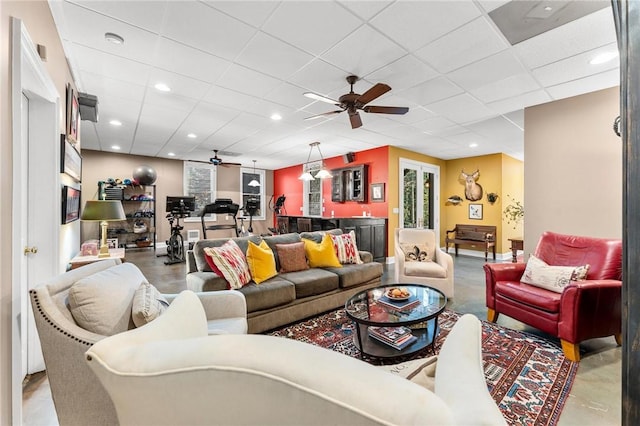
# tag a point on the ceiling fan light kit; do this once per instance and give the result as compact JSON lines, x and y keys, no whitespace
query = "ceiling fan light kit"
{"x":352,"y":102}
{"x":323,"y":173}
{"x":254,"y":182}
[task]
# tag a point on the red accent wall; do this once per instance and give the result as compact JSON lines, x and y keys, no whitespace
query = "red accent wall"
{"x":285,"y":181}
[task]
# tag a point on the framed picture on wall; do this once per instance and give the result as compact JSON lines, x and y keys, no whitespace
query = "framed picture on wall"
{"x":475,"y":211}
{"x":73,"y":115}
{"x":377,"y":192}
{"x":70,"y":160}
{"x":70,"y":204}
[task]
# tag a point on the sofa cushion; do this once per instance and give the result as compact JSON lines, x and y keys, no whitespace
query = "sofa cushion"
{"x":318,"y":235}
{"x":537,"y":297}
{"x":321,"y":255}
{"x":148,"y":304}
{"x":346,"y":248}
{"x":231,"y":262}
{"x":273,"y":240}
{"x":292,"y":257}
{"x":554,"y":278}
{"x":312,"y":282}
{"x":424,"y":269}
{"x":261,"y":261}
{"x":200,"y":256}
{"x":273,"y":292}
{"x":353,"y":275}
{"x":102,"y":302}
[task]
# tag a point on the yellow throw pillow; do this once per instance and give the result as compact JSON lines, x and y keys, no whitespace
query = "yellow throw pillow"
{"x":262,"y":263}
{"x":321,"y":255}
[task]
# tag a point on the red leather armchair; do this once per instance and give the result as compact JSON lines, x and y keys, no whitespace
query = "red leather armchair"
{"x":584,"y":310}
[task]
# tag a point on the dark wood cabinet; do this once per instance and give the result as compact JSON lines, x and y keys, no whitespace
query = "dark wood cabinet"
{"x":371,"y":235}
{"x":349,"y":184}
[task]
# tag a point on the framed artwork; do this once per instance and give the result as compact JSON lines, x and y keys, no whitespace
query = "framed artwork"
{"x":70,"y":160}
{"x":112,"y":243}
{"x":73,"y":115}
{"x":475,"y":211}
{"x":70,"y":204}
{"x":377,"y":192}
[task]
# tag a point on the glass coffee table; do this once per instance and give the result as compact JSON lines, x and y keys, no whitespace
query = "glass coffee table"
{"x":382,"y":321}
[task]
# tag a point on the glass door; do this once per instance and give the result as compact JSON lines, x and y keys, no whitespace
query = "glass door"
{"x":419,"y":195}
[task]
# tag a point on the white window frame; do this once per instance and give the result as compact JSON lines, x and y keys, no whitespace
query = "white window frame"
{"x":262,"y":175}
{"x":313,"y":167}
{"x":213,"y":176}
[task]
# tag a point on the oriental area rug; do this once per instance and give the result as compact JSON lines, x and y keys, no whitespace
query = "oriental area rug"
{"x":528,"y":377}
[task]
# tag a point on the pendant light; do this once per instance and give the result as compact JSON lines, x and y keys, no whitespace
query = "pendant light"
{"x":323,"y":173}
{"x":254,"y":181}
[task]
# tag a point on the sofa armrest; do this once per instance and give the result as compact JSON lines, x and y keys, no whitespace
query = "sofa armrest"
{"x":445,"y":260}
{"x":191,"y":262}
{"x":495,"y":272}
{"x":591,"y":308}
{"x":365,"y":256}
{"x":219,"y":304}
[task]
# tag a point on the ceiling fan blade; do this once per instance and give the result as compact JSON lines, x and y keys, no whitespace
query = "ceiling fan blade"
{"x":371,"y":94}
{"x":200,"y":161}
{"x":324,"y":114}
{"x":226,"y":164}
{"x":355,"y":119}
{"x":385,"y":109}
{"x":321,"y":98}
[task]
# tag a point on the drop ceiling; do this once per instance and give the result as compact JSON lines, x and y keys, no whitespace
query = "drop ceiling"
{"x":231,"y":65}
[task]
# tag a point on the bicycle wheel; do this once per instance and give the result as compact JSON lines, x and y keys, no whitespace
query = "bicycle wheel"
{"x":169,"y":243}
{"x":178,"y":247}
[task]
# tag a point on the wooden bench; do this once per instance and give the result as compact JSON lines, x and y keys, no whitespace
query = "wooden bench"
{"x":472,"y":234}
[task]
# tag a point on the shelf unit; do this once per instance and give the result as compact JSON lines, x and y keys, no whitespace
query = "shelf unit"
{"x":139,"y":203}
{"x":349,"y":184}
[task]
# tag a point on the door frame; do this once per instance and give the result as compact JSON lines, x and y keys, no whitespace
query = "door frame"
{"x":424,"y":167}
{"x":29,"y":76}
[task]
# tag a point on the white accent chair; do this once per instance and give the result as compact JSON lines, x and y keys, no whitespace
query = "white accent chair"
{"x":78,"y":397}
{"x":170,"y":372}
{"x":437,"y":273}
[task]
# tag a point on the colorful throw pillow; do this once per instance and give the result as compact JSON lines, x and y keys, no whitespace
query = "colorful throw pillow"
{"x":321,"y":255}
{"x":261,"y":261}
{"x":230,"y":260}
{"x":555,"y":278}
{"x":416,"y":252}
{"x":346,"y":248}
{"x":148,"y":304}
{"x":292,"y":257}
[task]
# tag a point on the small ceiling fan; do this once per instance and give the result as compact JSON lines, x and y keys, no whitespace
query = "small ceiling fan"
{"x":352,"y":102}
{"x":216,"y":161}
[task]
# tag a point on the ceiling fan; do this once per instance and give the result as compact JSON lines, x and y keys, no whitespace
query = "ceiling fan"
{"x":352,"y":102}
{"x":216,"y":161}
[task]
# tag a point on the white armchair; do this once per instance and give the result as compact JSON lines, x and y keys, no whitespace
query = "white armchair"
{"x":434,"y":269}
{"x":78,"y":397}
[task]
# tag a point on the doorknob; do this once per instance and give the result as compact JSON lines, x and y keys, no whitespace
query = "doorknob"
{"x":32,"y":250}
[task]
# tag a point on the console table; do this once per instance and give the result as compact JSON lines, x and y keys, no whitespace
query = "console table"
{"x":78,"y":261}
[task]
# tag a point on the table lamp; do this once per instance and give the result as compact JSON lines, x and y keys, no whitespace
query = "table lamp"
{"x":103,"y":211}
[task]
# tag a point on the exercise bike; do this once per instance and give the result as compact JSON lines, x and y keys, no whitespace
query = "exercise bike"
{"x":175,"y":243}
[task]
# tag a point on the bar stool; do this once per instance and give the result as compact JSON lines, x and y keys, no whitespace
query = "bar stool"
{"x":304,"y":224}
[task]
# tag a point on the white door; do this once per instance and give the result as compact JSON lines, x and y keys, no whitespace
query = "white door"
{"x":419,"y":195}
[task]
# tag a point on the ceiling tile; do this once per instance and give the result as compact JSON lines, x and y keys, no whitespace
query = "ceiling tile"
{"x":313,"y":26}
{"x":413,"y":24}
{"x":115,"y":67}
{"x":521,"y":101}
{"x":497,"y":129}
{"x":431,"y":91}
{"x":147,"y":14}
{"x":253,"y":13}
{"x":365,"y":9}
{"x":247,"y":81}
{"x":403,"y":73}
{"x":272,"y":56}
{"x":188,"y":61}
{"x":179,"y":84}
{"x":229,"y":98}
{"x":104,"y":87}
{"x":461,"y":109}
{"x":320,"y":77}
{"x":288,"y":95}
{"x":489,"y":70}
{"x":511,"y":86}
{"x":434,"y":124}
{"x":191,"y":23}
{"x":169,"y":101}
{"x":471,"y":42}
{"x":363,"y":52}
{"x":591,"y":83}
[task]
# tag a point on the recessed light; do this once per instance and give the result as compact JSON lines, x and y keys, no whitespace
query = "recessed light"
{"x":276,"y":116}
{"x":115,"y":123}
{"x":473,"y":145}
{"x":116,"y":147}
{"x":171,"y":154}
{"x":162,"y":87}
{"x":113,"y":38}
{"x":603,"y":57}
{"x":548,"y":8}
{"x":191,"y":135}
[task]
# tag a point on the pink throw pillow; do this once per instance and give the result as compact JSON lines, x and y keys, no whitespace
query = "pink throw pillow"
{"x":231,"y":262}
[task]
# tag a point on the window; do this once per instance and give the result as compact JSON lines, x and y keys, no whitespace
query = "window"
{"x":313,"y":192}
{"x":256,"y":192}
{"x":199,"y":182}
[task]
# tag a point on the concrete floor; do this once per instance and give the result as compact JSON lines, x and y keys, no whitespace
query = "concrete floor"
{"x":595,"y":397}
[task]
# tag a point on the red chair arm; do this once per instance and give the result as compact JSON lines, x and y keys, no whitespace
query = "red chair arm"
{"x":500,"y":272}
{"x":589,"y":309}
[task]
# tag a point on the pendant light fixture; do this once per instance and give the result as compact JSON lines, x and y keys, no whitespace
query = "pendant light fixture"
{"x":254,"y":181}
{"x":323,"y":173}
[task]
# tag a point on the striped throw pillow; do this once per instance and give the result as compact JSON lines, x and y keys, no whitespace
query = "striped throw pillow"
{"x":231,"y":262}
{"x":346,"y":248}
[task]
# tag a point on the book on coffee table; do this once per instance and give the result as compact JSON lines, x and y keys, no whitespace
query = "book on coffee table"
{"x":400,"y":341}
{"x":399,"y":304}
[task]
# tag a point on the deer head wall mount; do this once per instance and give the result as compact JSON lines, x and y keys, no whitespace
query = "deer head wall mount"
{"x":472,"y":190}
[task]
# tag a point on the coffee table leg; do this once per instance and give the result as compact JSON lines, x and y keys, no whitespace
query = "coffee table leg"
{"x":359,"y":335}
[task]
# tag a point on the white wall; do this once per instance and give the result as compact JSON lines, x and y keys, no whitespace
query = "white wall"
{"x":573,"y":168}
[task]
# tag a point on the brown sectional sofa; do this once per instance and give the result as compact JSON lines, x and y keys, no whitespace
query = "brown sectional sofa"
{"x":290,"y":296}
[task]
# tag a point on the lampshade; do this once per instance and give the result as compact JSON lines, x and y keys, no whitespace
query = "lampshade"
{"x":106,"y":210}
{"x":323,"y":173}
{"x":254,"y":181}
